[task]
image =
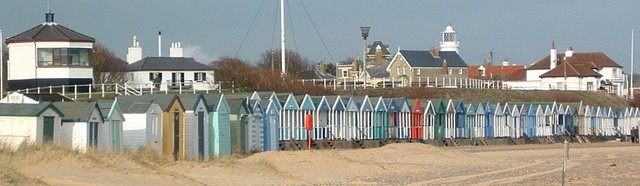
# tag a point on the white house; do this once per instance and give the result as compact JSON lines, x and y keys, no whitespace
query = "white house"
{"x":49,"y":54}
{"x":30,"y":123}
{"x":585,"y":71}
{"x":80,"y":125}
{"x":143,"y":123}
{"x":162,"y":73}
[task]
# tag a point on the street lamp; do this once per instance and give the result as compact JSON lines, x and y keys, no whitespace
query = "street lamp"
{"x":365,"y":33}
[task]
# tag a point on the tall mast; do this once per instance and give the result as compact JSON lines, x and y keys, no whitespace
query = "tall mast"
{"x":1,"y":66}
{"x":282,"y":44}
{"x":632,"y":32}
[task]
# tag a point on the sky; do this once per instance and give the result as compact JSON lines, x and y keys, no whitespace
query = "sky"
{"x":521,"y":31}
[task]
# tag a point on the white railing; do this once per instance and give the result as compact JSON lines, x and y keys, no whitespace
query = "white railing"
{"x":104,"y":90}
{"x":435,"y":82}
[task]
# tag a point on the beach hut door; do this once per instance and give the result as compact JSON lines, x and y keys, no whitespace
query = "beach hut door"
{"x":93,"y":134}
{"x":201,"y":135}
{"x":176,"y":135}
{"x":47,"y":135}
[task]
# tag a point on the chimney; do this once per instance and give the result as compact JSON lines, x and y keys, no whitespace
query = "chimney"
{"x":553,"y":56}
{"x":505,"y":62}
{"x":378,"y":54}
{"x":322,"y":67}
{"x":134,"y":52}
{"x":569,"y":52}
{"x":159,"y":44}
{"x":175,"y":50}
{"x":445,"y":67}
{"x":435,"y":52}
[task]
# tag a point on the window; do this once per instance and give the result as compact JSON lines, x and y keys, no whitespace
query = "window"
{"x":418,"y":73}
{"x":404,"y":71}
{"x":177,"y":79}
{"x":155,"y":77}
{"x":74,"y":57}
{"x":589,"y":85}
{"x":460,"y":71}
{"x":615,"y":73}
{"x":200,"y":76}
{"x":345,"y":73}
{"x":450,"y":71}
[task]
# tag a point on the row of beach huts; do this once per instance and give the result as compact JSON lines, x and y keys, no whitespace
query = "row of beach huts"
{"x":202,"y":126}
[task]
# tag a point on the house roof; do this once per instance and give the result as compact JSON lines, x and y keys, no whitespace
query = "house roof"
{"x":26,"y":109}
{"x":572,"y":70}
{"x":49,"y":32}
{"x":384,"y":48}
{"x":377,"y":72}
{"x":507,"y":73}
{"x":421,"y":58}
{"x":597,"y":58}
{"x":77,"y":111}
{"x":166,"y":64}
{"x":315,"y":74}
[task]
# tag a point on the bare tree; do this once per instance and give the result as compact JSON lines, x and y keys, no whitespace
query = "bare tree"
{"x":296,"y":63}
{"x":238,"y":71}
{"x":107,"y":68}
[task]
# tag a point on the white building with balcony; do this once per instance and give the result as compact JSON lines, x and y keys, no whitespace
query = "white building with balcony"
{"x":584,"y":71}
{"x":167,"y":73}
{"x":49,"y":54}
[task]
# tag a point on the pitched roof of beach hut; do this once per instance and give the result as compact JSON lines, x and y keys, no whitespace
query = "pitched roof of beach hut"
{"x":291,"y":103}
{"x":380,"y":105}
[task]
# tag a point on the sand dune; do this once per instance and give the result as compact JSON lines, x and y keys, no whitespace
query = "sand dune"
{"x":394,"y":164}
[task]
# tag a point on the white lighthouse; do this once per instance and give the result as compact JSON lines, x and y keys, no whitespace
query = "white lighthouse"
{"x":449,"y":41}
{"x":49,"y":54}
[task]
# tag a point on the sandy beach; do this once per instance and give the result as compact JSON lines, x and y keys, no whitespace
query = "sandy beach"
{"x":609,"y":163}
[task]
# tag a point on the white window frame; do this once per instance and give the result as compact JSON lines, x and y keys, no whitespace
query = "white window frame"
{"x":459,"y":71}
{"x":418,"y":73}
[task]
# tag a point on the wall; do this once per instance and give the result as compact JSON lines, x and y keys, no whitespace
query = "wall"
{"x":15,"y":130}
{"x":23,"y":60}
{"x":40,"y":126}
{"x":134,"y":129}
{"x":142,"y":78}
{"x":533,"y":75}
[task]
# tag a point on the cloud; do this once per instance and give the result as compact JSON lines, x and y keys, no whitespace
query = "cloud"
{"x":198,"y":54}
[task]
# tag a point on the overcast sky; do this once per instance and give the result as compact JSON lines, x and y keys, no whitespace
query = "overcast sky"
{"x":519,"y":30}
